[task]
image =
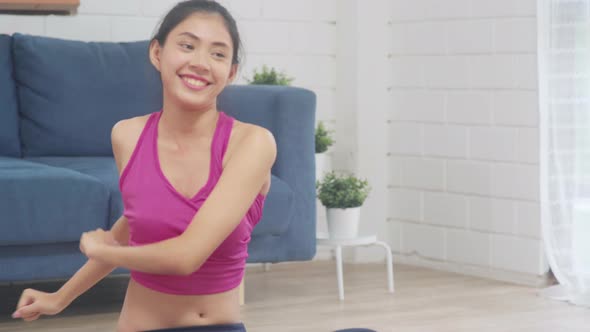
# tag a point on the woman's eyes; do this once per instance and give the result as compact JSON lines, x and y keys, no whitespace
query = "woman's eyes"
{"x":187,"y":46}
{"x":190,"y":47}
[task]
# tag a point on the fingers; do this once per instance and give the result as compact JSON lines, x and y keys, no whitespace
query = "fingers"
{"x":83,"y":241}
{"x":81,"y":245}
{"x":29,"y":311}
{"x":32,"y":318}
{"x":26,"y":298}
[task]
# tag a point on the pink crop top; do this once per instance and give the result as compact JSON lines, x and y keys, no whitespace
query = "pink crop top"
{"x":156,"y":212}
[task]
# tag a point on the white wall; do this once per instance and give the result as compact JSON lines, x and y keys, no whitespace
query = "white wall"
{"x":294,"y":36}
{"x":463,"y":137}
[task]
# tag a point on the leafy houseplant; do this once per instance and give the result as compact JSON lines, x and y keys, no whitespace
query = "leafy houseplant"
{"x":342,"y":195}
{"x":323,"y":138}
{"x":342,"y":191}
{"x":270,"y":76}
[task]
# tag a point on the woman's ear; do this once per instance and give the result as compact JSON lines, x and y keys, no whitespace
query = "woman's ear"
{"x":155,"y":50}
{"x":233,"y":72}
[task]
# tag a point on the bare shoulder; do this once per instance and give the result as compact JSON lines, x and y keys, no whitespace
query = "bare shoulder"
{"x":124,"y":137}
{"x":247,"y":136}
{"x":252,"y":143}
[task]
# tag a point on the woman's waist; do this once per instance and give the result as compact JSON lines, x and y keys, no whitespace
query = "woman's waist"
{"x":173,"y":309}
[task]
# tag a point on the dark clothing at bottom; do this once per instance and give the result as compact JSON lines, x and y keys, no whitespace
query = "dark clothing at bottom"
{"x":238,"y":327}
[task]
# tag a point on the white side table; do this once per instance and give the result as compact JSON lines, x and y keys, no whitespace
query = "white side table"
{"x":324,"y":240}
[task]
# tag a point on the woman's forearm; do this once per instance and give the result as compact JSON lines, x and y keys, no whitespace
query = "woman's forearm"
{"x":93,"y":271}
{"x":86,"y":277}
{"x":165,"y":257}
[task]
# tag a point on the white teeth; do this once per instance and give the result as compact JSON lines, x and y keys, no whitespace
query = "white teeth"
{"x":195,"y":82}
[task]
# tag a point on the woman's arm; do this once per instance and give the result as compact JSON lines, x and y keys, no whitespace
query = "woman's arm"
{"x":33,"y":303}
{"x":242,"y":178}
{"x":124,"y":136}
{"x":93,"y":271}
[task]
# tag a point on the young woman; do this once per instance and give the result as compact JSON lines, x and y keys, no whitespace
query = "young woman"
{"x":194,"y":182}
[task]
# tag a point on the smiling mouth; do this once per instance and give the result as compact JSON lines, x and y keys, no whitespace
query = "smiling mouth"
{"x":194,"y":83}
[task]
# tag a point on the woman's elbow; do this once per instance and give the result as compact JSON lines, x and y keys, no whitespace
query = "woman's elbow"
{"x":186,"y":268}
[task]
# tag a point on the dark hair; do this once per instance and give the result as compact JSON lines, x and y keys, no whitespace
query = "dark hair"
{"x":184,"y":9}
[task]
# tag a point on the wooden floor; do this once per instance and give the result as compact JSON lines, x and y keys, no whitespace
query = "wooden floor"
{"x":303,"y":297}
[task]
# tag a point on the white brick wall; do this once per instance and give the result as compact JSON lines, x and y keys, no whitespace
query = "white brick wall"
{"x":463,"y":147}
{"x":23,"y":24}
{"x":445,"y":140}
{"x":426,"y":240}
{"x":297,"y":37}
{"x":478,"y":244}
{"x":445,"y":209}
{"x":472,"y":107}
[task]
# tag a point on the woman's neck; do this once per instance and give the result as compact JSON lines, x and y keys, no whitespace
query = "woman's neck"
{"x":180,"y":123}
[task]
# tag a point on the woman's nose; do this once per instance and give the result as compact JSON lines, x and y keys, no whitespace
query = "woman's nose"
{"x":199,"y":62}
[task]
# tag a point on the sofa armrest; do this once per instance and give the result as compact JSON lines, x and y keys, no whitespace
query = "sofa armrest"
{"x":289,"y":113}
{"x":294,"y":131}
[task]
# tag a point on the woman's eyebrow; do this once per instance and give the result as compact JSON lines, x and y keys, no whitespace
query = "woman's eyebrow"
{"x":193,"y":36}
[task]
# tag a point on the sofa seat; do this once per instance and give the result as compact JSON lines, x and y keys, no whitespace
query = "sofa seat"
{"x":66,"y":203}
{"x":103,"y":169}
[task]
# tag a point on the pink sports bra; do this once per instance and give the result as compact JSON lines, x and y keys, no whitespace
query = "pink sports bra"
{"x":156,"y":212}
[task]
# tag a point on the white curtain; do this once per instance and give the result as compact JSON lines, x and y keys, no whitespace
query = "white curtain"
{"x":564,"y":101}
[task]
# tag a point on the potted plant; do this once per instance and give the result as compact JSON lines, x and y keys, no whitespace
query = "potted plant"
{"x":323,"y":140}
{"x":342,"y":195}
{"x":269,"y":76}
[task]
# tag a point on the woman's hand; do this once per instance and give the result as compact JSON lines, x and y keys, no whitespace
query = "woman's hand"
{"x":90,"y":242}
{"x":33,"y":303}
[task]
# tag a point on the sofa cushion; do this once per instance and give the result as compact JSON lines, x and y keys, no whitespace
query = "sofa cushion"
{"x":71,"y":93}
{"x":40,"y":262}
{"x":103,"y":169}
{"x":44,"y":204}
{"x":278,"y":209}
{"x":9,"y":140}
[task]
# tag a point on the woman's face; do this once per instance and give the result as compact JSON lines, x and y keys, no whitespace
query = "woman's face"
{"x":195,"y":63}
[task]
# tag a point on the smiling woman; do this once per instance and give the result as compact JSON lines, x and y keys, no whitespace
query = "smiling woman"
{"x":180,"y":169}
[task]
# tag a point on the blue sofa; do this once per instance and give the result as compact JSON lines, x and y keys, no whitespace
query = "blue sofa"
{"x":58,"y":102}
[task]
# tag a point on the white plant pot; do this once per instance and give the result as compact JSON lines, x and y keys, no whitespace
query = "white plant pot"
{"x":323,"y":164}
{"x":343,"y":223}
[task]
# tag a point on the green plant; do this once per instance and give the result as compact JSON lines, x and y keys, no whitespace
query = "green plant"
{"x":270,"y":76}
{"x":323,"y":140}
{"x":342,"y":190}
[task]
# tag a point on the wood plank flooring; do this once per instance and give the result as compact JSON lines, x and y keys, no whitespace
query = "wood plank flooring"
{"x":303,"y":297}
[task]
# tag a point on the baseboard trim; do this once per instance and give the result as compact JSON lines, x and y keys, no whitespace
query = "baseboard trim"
{"x":525,"y":279}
